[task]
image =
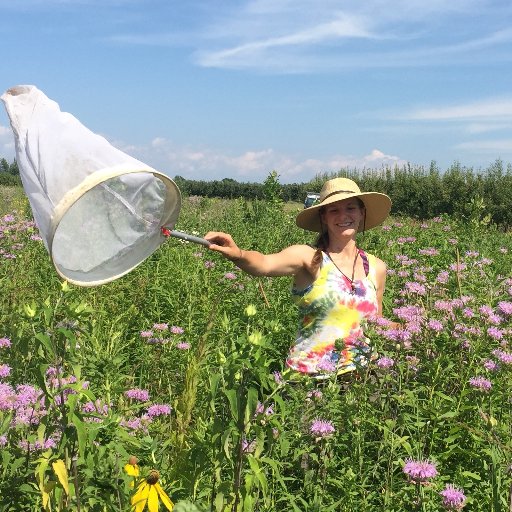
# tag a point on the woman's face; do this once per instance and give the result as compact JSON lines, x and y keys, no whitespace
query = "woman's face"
{"x":343,"y":217}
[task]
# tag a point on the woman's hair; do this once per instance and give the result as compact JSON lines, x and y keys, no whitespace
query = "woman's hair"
{"x":322,"y":242}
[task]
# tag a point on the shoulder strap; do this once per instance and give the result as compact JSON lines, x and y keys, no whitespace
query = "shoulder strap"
{"x":366,"y":263}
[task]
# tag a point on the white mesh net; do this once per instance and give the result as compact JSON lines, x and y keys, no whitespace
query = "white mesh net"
{"x":99,"y":210}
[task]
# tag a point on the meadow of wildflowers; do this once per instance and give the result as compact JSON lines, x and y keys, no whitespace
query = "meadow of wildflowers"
{"x":168,"y":384}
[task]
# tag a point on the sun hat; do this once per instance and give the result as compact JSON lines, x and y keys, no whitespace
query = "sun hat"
{"x":377,"y":205}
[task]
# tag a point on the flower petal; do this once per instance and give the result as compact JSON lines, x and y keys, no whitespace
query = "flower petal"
{"x":163,"y":496}
{"x":140,"y":498}
{"x":132,"y":469}
{"x":153,"y":499}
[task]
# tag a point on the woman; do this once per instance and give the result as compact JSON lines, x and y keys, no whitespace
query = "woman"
{"x":336,"y":286}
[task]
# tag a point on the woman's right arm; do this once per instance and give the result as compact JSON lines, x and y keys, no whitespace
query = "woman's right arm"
{"x":288,"y":262}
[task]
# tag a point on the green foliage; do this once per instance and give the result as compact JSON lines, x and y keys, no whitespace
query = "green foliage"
{"x":272,"y":190}
{"x":239,"y":434}
{"x":416,"y":192}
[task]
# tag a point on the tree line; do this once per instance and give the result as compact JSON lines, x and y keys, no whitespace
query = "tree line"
{"x":483,"y":195}
{"x":9,"y":173}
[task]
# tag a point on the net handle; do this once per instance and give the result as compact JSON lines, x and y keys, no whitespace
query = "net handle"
{"x":185,"y":236}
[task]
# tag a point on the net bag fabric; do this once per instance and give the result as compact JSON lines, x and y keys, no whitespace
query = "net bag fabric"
{"x":99,"y":210}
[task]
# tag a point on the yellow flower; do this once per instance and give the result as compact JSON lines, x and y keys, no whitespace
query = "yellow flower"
{"x":149,"y":492}
{"x":132,"y":468}
{"x":250,"y":310}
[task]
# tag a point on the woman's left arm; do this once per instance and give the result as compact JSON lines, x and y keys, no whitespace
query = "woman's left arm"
{"x":380,"y":275}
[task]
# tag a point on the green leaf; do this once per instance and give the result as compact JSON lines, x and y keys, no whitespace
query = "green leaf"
{"x":449,"y":414}
{"x":470,"y":474}
{"x":81,"y":432}
{"x":252,"y":403}
{"x":46,"y":343}
{"x":232,"y":397}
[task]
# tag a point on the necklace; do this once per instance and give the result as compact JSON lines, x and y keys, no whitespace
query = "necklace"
{"x":349,"y":279}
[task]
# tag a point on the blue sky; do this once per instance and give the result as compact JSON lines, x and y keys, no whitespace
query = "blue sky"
{"x":215,"y":89}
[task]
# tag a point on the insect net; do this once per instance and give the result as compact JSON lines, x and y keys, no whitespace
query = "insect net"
{"x":99,"y":211}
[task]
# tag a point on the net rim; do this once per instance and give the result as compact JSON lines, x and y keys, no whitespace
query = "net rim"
{"x":88,"y":183}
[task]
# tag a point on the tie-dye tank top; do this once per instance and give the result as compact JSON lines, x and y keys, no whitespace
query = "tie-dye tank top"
{"x":332,"y":315}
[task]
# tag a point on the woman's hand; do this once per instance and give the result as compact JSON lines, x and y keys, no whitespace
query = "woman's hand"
{"x":224,"y":243}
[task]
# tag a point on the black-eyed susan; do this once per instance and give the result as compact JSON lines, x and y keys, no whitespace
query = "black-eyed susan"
{"x":149,"y":492}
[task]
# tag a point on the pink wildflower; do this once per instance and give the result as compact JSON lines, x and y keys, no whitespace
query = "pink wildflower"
{"x":505,"y":307}
{"x":490,"y":365}
{"x":159,"y":410}
{"x":420,"y":471}
{"x":5,"y":370}
{"x":140,"y":395}
{"x":385,"y":362}
{"x":415,"y":287}
{"x":453,"y":497}
{"x":321,"y":428}
{"x":435,"y":325}
{"x":480,"y":383}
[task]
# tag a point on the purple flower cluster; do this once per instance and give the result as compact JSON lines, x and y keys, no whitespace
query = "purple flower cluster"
{"x":504,"y":357}
{"x":420,"y":471}
{"x":430,"y":251}
{"x":321,"y":428}
{"x":490,"y":365}
{"x":261,"y":409}
{"x":385,"y":362}
{"x":5,"y":342}
{"x":248,"y":446}
{"x":159,"y":410}
{"x":435,"y":325}
{"x":37,"y":445}
{"x":417,"y":288}
{"x":136,"y":424}
{"x":5,"y":371}
{"x":453,"y":497}
{"x":139,"y":395}
{"x":505,"y":307}
{"x":278,"y":378}
{"x":97,"y":411}
{"x":480,"y":383}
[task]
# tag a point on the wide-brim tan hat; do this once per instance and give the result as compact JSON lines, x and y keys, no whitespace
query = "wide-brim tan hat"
{"x":377,"y":205}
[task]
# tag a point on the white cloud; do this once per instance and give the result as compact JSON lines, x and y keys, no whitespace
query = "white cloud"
{"x":305,"y":35}
{"x":251,"y":165}
{"x":500,"y":147}
{"x":340,"y":27}
{"x":487,"y":127}
{"x":493,"y":108}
